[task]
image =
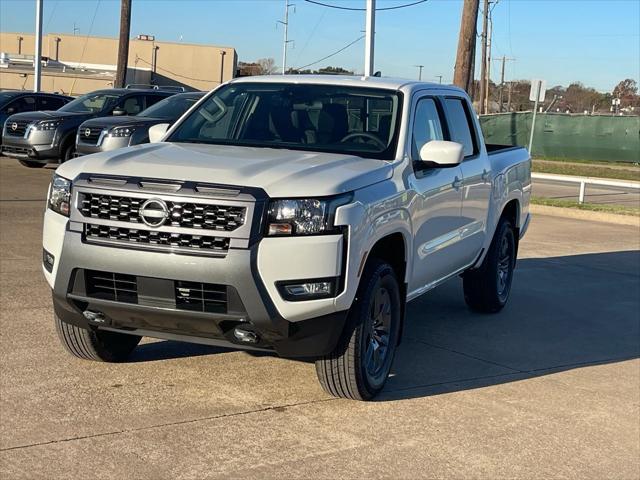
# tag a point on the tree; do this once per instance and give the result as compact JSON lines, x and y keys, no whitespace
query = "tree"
{"x":267,"y":66}
{"x":627,"y":92}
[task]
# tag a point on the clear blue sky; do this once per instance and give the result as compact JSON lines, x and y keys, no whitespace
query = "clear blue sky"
{"x":596,"y":42}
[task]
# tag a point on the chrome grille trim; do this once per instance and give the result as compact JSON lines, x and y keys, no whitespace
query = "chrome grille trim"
{"x":155,"y":240}
{"x":191,"y":215}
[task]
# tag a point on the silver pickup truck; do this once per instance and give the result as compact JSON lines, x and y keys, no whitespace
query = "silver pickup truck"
{"x":296,"y":215}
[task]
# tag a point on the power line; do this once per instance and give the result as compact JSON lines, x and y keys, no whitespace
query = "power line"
{"x":332,"y":54}
{"x":174,"y":73}
{"x":353,"y":9}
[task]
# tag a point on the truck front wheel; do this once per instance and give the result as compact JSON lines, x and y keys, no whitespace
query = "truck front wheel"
{"x":96,"y":345}
{"x":487,"y":288}
{"x":359,"y":366}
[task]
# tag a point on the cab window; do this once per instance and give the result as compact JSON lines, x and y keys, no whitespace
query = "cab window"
{"x":460,"y":126}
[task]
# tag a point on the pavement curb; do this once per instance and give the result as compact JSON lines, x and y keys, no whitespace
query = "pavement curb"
{"x":585,"y":215}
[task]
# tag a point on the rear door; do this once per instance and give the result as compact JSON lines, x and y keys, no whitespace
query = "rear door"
{"x":476,"y":176}
{"x":436,"y":211}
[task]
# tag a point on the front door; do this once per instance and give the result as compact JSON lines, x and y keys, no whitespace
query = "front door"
{"x":437,"y":205}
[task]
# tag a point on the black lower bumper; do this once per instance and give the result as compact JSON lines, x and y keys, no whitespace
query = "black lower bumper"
{"x":36,"y":153}
{"x":308,"y":338}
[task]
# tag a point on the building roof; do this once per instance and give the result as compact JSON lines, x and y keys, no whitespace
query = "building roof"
{"x":345,"y":80}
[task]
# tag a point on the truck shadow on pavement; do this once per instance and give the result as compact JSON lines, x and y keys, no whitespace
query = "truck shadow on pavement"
{"x":564,"y":313}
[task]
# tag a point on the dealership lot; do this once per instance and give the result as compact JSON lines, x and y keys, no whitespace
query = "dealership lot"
{"x":550,"y":387}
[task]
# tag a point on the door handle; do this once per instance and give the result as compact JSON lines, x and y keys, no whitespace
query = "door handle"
{"x":457,"y":183}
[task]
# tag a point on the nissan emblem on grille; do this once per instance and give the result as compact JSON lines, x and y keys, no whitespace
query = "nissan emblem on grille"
{"x":154,"y":212}
{"x":87,"y":132}
{"x":14,"y":126}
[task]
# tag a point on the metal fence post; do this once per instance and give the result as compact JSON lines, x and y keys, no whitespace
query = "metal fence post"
{"x":583,"y":187}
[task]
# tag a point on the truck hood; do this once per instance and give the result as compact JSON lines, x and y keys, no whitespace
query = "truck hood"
{"x":51,"y":115}
{"x":280,"y":172}
{"x":124,"y":121}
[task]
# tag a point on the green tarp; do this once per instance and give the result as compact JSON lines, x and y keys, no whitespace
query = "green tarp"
{"x":585,"y":137}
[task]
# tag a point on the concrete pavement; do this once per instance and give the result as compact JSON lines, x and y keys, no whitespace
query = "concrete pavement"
{"x":548,"y":388}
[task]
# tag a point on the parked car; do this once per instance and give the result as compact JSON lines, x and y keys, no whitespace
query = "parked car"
{"x":16,"y":101}
{"x":37,"y":138}
{"x":109,"y":133}
{"x":296,"y":215}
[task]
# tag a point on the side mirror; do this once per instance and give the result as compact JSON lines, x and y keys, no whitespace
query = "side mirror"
{"x":440,"y":153}
{"x":156,"y":133}
{"x":11,"y":110}
{"x":118,"y":112}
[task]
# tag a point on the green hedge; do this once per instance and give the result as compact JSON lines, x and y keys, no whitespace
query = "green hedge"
{"x":586,"y":137}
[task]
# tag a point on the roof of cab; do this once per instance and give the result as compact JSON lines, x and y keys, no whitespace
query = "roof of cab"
{"x":351,"y":81}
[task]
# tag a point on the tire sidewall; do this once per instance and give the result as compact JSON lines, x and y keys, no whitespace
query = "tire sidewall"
{"x":505,"y":229}
{"x":378,"y":275}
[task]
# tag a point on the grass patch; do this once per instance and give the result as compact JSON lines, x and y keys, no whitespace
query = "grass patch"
{"x":587,"y":170}
{"x":593,"y":207}
{"x":590,"y":162}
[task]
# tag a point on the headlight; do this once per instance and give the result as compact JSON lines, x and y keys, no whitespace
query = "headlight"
{"x":121,"y":132}
{"x":60,"y":195}
{"x":309,"y":216}
{"x":46,"y":125}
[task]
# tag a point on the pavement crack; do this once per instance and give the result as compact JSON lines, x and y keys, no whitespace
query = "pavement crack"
{"x":168,"y":424}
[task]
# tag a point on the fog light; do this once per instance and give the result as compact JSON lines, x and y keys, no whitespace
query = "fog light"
{"x":307,"y":290}
{"x":48,"y":260}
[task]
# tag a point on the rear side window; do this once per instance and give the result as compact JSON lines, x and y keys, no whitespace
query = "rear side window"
{"x":50,"y":103}
{"x":460,"y":125}
{"x":23,"y":104}
{"x":426,"y":125}
{"x":133,"y":105}
{"x":153,"y":99}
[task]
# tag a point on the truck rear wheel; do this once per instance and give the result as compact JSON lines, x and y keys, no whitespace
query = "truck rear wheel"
{"x":359,"y":366}
{"x":487,"y":288}
{"x":96,"y":345}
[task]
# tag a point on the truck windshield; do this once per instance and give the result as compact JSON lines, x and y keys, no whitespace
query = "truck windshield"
{"x":332,"y":118}
{"x":171,"y":107}
{"x":90,"y":103}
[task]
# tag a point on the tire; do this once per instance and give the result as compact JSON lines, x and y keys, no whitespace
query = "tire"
{"x":31,"y":164}
{"x":486,"y":289}
{"x":68,"y":152}
{"x":351,"y":370}
{"x":98,"y":345}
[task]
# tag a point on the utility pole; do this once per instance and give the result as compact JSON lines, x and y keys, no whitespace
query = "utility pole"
{"x":509,"y":96}
{"x":420,"y":67}
{"x":483,"y":68}
{"x":37,"y":58}
{"x":504,"y":60}
{"x":286,"y":40}
{"x":370,"y":33}
{"x":488,"y":78}
{"x":439,"y":77}
{"x":463,"y":71}
{"x":123,"y":44}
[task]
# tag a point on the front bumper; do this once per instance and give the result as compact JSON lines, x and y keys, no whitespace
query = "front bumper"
{"x":291,"y":329}
{"x":37,"y":146}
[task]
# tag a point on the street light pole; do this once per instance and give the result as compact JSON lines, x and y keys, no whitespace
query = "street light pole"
{"x":286,"y":41}
{"x":37,"y":60}
{"x":370,"y":38}
{"x":420,"y":67}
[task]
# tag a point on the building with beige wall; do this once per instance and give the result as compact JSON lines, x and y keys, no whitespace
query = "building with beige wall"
{"x":80,"y":64}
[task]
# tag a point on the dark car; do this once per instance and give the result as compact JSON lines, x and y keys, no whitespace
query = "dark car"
{"x":37,"y":138}
{"x":17,"y":101}
{"x":109,"y":133}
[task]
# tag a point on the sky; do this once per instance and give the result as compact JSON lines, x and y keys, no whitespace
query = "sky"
{"x":596,"y":42}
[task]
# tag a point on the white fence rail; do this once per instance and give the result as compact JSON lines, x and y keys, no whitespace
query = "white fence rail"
{"x":584,"y":181}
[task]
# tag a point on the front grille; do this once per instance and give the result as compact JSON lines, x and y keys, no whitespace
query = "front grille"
{"x":200,"y":297}
{"x":131,"y":237}
{"x":92,"y":138}
{"x":116,"y":287}
{"x":21,"y":127}
{"x":181,"y":214}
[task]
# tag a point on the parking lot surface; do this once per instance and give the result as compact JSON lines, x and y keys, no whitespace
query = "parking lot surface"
{"x":549,"y":388}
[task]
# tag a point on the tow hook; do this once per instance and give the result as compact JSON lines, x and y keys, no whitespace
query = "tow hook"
{"x":245,"y":336}
{"x":94,"y":317}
